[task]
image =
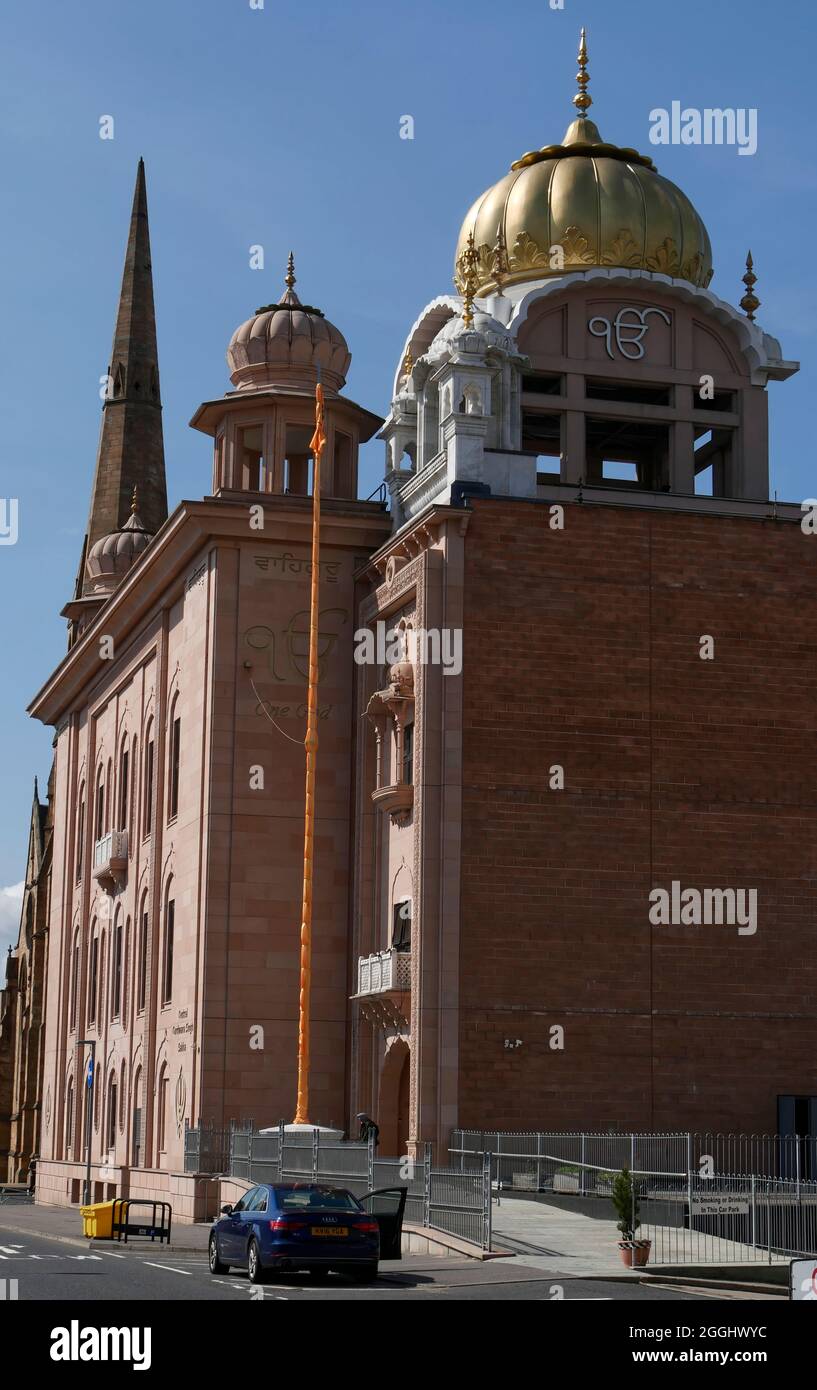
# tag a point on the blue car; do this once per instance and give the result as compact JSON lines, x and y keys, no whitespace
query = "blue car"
{"x":307,"y":1226}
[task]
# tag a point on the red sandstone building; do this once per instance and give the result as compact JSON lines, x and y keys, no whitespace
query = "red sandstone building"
{"x":618,"y":698}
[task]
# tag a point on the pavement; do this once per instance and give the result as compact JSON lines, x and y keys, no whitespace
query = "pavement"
{"x":545,"y":1247}
{"x":45,"y":1267}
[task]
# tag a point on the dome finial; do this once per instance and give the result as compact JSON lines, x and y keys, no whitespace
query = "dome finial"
{"x":134,"y":502}
{"x":499,"y":260}
{"x":469,"y":280}
{"x":289,"y":296}
{"x":581,"y":100}
{"x":750,"y":301}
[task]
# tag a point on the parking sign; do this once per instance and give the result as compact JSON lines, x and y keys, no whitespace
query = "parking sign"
{"x":803,"y":1280}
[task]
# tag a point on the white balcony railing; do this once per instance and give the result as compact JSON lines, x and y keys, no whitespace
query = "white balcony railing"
{"x":384,"y":971}
{"x":111,"y":855}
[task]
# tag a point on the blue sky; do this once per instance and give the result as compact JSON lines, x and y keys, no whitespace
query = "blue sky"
{"x":280,"y":126}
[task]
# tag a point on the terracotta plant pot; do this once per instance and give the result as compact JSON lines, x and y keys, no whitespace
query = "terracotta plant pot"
{"x":634,"y":1253}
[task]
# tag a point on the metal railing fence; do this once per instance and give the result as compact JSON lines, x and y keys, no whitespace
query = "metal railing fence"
{"x":450,"y":1200}
{"x":790,"y":1157}
{"x":692,"y":1212}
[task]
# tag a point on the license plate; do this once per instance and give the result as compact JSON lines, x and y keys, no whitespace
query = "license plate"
{"x":330,"y":1230}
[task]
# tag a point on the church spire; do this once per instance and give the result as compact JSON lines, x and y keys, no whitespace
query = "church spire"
{"x":131,"y":451}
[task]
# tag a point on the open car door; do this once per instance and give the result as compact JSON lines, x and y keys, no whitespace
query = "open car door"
{"x":387,"y":1205}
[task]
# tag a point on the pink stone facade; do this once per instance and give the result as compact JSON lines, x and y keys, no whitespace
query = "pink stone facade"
{"x":204,"y":667}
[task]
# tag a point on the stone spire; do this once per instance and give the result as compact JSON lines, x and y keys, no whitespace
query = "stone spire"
{"x":131,"y":451}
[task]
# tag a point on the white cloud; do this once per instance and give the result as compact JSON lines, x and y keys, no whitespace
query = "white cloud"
{"x":11,"y":900}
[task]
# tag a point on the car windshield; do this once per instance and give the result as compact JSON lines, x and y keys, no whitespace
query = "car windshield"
{"x":307,"y":1198}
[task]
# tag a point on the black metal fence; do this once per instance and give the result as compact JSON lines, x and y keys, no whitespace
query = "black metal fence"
{"x":701,"y":1199}
{"x":442,"y":1199}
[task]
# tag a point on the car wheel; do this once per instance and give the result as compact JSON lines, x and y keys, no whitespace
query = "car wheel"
{"x":254,"y":1267}
{"x":364,"y":1274}
{"x":216,"y":1265}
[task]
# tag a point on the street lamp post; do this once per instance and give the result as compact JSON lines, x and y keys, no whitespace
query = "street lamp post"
{"x":89,"y":1086}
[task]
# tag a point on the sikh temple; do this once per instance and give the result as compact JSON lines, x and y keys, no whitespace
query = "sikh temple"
{"x":577,"y":481}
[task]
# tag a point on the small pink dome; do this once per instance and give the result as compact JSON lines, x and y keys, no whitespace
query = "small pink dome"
{"x":286,"y":343}
{"x":111,"y":557}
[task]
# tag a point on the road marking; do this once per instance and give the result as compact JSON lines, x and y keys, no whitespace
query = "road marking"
{"x":113,"y":1255}
{"x":10,"y":1249}
{"x":153,"y":1265}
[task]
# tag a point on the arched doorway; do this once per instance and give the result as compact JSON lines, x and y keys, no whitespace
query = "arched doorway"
{"x":393,"y":1100}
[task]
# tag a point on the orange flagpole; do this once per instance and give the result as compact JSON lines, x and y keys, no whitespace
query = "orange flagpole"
{"x":317,"y":445}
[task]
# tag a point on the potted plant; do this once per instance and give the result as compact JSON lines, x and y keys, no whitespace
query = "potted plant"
{"x":624,"y":1196}
{"x":566,"y":1179}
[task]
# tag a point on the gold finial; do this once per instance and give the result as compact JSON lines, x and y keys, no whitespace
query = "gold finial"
{"x":468,"y":280}
{"x":289,"y":278}
{"x":750,"y":301}
{"x":134,"y":500}
{"x":581,"y":99}
{"x":408,"y":362}
{"x":499,"y":260}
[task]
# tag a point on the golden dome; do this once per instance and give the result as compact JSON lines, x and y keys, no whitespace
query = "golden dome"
{"x":601,"y":204}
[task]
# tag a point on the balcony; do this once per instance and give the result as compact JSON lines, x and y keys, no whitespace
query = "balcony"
{"x":111,"y":860}
{"x":397,"y":799}
{"x":383,"y":984}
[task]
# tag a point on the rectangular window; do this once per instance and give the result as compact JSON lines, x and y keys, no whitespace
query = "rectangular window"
{"x":69,"y":1121}
{"x":408,"y":754}
{"x":93,"y":980}
{"x":401,"y":927}
{"x":137,"y":1136}
{"x":148,"y":816}
{"x":112,"y":1102}
{"x":162,"y":1116}
{"x":627,"y":453}
{"x":297,"y":468}
{"x":80,"y":840}
{"x":344,"y":481}
{"x":74,"y":984}
{"x":175,"y":751}
{"x":250,"y":458}
{"x":123,"y":791}
{"x":167,"y":958}
{"x":143,"y":963}
{"x":100,"y":809}
{"x":116,"y":999}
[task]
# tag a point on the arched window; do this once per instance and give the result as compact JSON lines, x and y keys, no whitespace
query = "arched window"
{"x":80,"y":843}
{"x":93,"y":974}
{"x":99,"y":805}
{"x":168,"y":943}
{"x":122,"y":1096}
{"x":136,"y":1133}
{"x":133,"y":804}
{"x":147,"y":799}
{"x":142,"y":956}
{"x":162,"y":1100}
{"x":69,"y":1119}
{"x":174,"y":761}
{"x":112,"y":1113}
{"x":103,"y":966}
{"x":124,"y":785}
{"x":74,"y":979}
{"x":117,"y":958}
{"x":108,"y":797}
{"x":127,"y":973}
